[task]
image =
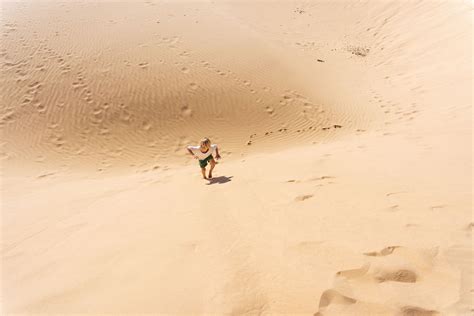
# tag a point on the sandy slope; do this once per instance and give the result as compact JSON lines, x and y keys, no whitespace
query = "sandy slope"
{"x":345,"y":185}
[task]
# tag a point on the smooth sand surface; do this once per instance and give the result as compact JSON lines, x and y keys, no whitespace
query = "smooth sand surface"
{"x":345,"y":181}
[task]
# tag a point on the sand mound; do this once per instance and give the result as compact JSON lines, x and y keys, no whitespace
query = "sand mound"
{"x":392,"y":284}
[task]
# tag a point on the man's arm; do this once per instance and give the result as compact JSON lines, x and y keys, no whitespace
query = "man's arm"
{"x":217,"y":153}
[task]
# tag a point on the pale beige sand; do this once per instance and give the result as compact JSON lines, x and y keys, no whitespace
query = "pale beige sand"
{"x":345,"y":184}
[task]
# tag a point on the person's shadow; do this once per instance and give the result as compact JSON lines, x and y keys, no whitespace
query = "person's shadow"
{"x":220,"y":180}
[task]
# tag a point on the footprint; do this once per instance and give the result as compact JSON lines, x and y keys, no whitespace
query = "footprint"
{"x":146,"y":126}
{"x":184,"y":54}
{"x":34,"y":86}
{"x":303,"y":197}
{"x":185,"y":70}
{"x":41,"y":108}
{"x":393,"y":193}
{"x":40,"y":159}
{"x":321,"y":178}
{"x":57,"y":140}
{"x":269,"y":110}
{"x":193,"y":86}
{"x":7,"y":117}
{"x":354,"y":273}
{"x":384,"y":252}
{"x":104,"y":131}
{"x":78,"y":84}
{"x":417,"y":311}
{"x":393,"y":208}
{"x":125,"y":116}
{"x":186,"y":111}
{"x":406,"y":268}
{"x":334,"y":297}
{"x":44,"y":175}
{"x":402,"y":275}
{"x":470,"y":226}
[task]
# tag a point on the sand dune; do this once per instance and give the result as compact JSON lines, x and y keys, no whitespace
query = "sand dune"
{"x":140,"y":89}
{"x":345,"y":184}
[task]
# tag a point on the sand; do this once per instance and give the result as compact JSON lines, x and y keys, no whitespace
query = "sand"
{"x":345,"y":181}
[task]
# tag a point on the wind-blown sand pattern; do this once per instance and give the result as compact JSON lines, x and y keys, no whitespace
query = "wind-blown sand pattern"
{"x":345,"y":131}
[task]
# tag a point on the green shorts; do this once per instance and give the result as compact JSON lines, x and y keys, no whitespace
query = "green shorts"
{"x":203,"y":163}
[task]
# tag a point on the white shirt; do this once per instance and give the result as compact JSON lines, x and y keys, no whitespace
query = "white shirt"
{"x":197,"y":151}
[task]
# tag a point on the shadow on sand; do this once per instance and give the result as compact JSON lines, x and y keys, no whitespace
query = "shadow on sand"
{"x":220,"y":180}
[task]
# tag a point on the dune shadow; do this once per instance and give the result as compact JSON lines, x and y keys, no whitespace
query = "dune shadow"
{"x":220,"y":180}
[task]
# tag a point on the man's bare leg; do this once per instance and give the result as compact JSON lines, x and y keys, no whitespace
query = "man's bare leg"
{"x":213,"y":164}
{"x":203,"y":171}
